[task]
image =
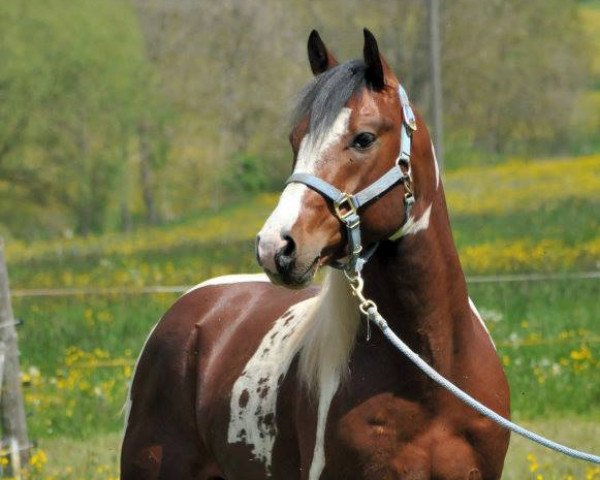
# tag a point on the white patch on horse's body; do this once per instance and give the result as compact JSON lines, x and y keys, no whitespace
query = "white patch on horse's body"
{"x":476,"y":313}
{"x":228,"y":279}
{"x":437,"y":167}
{"x":322,"y":330}
{"x":413,"y":226}
{"x":310,"y":155}
{"x":254,"y":394}
{"x":128,"y":402}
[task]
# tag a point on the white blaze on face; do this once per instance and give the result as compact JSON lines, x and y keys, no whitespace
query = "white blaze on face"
{"x":313,"y":148}
{"x":310,"y":156}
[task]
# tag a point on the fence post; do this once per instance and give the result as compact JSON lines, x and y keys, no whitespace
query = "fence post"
{"x":14,"y":426}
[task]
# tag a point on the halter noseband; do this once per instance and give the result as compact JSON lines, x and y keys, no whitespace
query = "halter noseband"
{"x":346,"y":205}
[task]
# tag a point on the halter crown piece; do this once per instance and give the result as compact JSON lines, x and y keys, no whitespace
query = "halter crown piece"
{"x":346,"y":205}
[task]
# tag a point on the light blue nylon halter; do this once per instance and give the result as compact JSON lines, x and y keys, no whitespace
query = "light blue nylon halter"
{"x":346,"y":205}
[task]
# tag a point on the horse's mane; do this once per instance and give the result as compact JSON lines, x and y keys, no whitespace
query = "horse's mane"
{"x":324,"y":97}
{"x":329,"y":333}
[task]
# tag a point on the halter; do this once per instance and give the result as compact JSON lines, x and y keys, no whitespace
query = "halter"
{"x":346,"y":205}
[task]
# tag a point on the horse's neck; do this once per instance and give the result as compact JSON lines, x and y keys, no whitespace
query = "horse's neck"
{"x":418,"y":284}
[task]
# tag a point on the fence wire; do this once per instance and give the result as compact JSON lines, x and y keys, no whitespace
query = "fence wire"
{"x":166,"y":289}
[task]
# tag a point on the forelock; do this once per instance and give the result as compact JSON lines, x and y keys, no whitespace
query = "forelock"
{"x":324,"y":97}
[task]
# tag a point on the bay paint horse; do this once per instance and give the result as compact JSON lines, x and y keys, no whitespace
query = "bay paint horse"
{"x":246,"y":379}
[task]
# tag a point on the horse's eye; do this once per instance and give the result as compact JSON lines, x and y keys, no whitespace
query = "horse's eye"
{"x":363,"y":141}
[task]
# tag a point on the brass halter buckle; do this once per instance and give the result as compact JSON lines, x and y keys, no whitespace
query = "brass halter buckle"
{"x":408,"y":187}
{"x":404,"y":166}
{"x":344,"y":208}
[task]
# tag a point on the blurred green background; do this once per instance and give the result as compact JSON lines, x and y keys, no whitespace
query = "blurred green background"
{"x":144,"y":142}
{"x":116,"y":114}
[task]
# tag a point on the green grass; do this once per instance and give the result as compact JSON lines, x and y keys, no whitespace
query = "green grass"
{"x":84,"y":348}
{"x":572,"y":431}
{"x":539,"y":328}
{"x":572,"y":221}
{"x":97,"y":457}
{"x":71,"y":459}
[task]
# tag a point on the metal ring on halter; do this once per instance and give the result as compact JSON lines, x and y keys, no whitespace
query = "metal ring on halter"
{"x":345,"y":207}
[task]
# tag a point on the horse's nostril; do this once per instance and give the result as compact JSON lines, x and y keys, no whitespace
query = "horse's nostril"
{"x":290,"y":246}
{"x":285,"y":256}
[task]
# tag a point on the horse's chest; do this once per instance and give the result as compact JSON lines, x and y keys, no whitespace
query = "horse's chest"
{"x":378,"y":440}
{"x":427,"y":457}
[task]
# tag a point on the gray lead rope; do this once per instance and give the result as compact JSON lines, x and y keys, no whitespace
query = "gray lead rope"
{"x":369,"y":309}
{"x":375,"y":317}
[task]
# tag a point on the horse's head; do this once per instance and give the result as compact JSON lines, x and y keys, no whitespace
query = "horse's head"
{"x":347,"y":132}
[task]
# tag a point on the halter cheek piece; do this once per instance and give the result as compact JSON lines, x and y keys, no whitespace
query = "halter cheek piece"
{"x":346,"y":205}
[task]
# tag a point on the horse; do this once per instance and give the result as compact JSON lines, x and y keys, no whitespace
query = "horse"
{"x":266,"y":376}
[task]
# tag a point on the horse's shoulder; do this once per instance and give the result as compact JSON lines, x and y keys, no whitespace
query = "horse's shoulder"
{"x":233,"y":302}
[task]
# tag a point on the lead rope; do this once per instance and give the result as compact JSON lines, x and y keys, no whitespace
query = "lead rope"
{"x":369,"y":309}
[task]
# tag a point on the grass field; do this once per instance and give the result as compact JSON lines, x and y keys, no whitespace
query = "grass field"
{"x":98,"y":457}
{"x":78,"y":351}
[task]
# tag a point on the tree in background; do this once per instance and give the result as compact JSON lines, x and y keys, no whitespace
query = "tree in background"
{"x":114,"y":112}
{"x":235,"y":72}
{"x":78,"y":86}
{"x":512,"y":73}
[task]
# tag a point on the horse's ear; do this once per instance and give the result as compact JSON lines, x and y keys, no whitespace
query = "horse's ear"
{"x":374,"y":74}
{"x":320,"y":58}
